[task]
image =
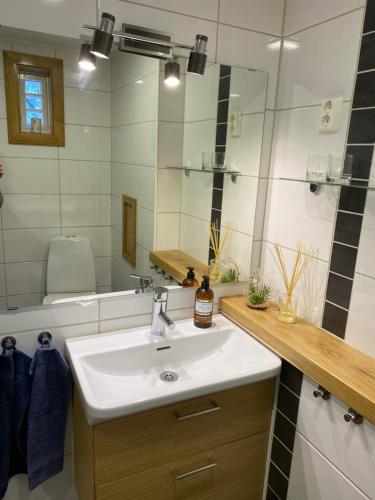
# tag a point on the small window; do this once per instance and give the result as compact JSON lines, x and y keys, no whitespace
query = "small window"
{"x":35,"y":103}
{"x":35,"y":99}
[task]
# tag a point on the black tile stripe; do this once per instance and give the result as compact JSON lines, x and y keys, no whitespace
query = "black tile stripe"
{"x":367,"y":54}
{"x":284,"y":431}
{"x":352,"y":201}
{"x":220,"y":147}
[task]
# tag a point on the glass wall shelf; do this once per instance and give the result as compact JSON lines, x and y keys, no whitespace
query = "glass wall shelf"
{"x":368,"y":185}
{"x":234,"y":174}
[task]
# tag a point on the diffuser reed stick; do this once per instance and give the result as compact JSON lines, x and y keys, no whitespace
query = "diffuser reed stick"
{"x":302,"y":260}
{"x":218,"y":248}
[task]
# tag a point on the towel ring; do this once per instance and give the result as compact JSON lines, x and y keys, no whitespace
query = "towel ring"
{"x":8,"y":343}
{"x":44,"y":339}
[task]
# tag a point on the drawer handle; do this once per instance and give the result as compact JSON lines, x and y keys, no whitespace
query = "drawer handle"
{"x":214,"y":407}
{"x":210,"y":465}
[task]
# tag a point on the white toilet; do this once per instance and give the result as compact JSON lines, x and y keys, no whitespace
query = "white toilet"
{"x":70,"y":269}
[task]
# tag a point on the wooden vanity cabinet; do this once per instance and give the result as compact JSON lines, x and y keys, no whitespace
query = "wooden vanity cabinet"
{"x":210,"y":447}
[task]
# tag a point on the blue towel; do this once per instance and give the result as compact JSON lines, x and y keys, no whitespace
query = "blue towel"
{"x":49,"y":402}
{"x":15,"y":384}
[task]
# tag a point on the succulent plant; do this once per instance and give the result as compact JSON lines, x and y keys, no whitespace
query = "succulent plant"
{"x":259,"y":295}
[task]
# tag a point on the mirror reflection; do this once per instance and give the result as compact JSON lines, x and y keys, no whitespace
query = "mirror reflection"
{"x":157,"y":173}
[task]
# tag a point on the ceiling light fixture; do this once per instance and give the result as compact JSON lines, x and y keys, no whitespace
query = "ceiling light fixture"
{"x":198,"y":56}
{"x":103,"y":38}
{"x":172,"y":73}
{"x":87,"y":61}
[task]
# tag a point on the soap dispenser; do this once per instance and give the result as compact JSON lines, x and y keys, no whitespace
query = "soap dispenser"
{"x":204,"y":304}
{"x":188,"y":282}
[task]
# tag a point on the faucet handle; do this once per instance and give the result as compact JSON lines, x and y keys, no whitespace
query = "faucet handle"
{"x":144,"y":281}
{"x":160,"y":294}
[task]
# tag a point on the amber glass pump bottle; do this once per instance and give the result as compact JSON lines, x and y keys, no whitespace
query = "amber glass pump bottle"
{"x":204,"y":304}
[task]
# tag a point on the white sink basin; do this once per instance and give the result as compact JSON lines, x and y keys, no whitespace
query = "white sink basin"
{"x":119,"y":373}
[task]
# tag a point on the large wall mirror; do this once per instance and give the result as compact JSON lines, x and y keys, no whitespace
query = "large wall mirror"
{"x":186,"y":156}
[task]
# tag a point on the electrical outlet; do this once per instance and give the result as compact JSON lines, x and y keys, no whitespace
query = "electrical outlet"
{"x":235,"y":124}
{"x":330,"y":115}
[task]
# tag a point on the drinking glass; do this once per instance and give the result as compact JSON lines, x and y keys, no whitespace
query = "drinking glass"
{"x":317,"y":167}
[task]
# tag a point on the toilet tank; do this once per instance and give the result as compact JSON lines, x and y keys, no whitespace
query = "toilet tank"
{"x":70,"y":265}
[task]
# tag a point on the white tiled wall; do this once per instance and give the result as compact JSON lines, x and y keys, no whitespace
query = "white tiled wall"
{"x":135,"y":90}
{"x":321,"y":63}
{"x":50,"y":191}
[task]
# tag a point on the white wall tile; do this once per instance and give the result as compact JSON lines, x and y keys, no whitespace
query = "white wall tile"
{"x":135,"y":144}
{"x":145,"y":228}
{"x":248,"y":90}
{"x":313,"y":477}
{"x":87,"y":107}
{"x":194,"y":238}
{"x":25,"y":300}
{"x":365,"y":261}
{"x":361,"y":322}
{"x":267,"y":144}
{"x":126,"y":68}
{"x":171,"y":136}
{"x":102,"y":270}
{"x":196,"y":197}
{"x":20,"y":150}
{"x":331,"y":63}
{"x":1,"y":246}
{"x":85,"y":177}
{"x":168,"y":231}
{"x":3,"y":304}
{"x":86,"y":143}
{"x":244,"y":151}
{"x":144,"y":186}
{"x":31,"y":210}
{"x":26,"y":277}
{"x":100,"y":238}
{"x":62,"y":18}
{"x":25,"y":245}
{"x":294,"y":214}
{"x":24,"y":175}
{"x":296,"y":135}
{"x":199,"y":137}
{"x":35,"y":49}
{"x":2,"y":281}
{"x":169,"y":190}
{"x":73,"y":313}
{"x":259,"y":15}
{"x":123,"y":179}
{"x":85,"y":210}
{"x":351,"y":448}
{"x":201,"y":95}
{"x":137,"y":101}
{"x":239,"y":203}
{"x":74,"y":76}
{"x":301,"y":14}
{"x":207,"y":10}
{"x":183,"y":28}
{"x":247,"y":49}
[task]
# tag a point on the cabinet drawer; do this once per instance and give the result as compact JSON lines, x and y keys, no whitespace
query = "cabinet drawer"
{"x":235,"y":470}
{"x":140,"y":442}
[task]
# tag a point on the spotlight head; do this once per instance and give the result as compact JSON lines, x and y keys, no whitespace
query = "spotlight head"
{"x":172,"y":73}
{"x":87,"y":61}
{"x":103,"y":38}
{"x":198,"y":56}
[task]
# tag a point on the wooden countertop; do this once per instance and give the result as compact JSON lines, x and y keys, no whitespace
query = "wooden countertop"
{"x":346,"y":372}
{"x":174,"y":263}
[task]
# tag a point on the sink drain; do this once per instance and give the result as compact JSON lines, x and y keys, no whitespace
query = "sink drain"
{"x":169,"y":376}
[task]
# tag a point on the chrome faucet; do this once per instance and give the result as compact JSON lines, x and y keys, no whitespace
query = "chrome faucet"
{"x":160,"y":320}
{"x":145,"y":283}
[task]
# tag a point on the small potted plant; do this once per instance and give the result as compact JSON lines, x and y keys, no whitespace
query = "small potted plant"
{"x":259,"y":295}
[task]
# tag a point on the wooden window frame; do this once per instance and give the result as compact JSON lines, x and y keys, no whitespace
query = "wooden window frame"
{"x":28,"y":63}
{"x":129,"y":229}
